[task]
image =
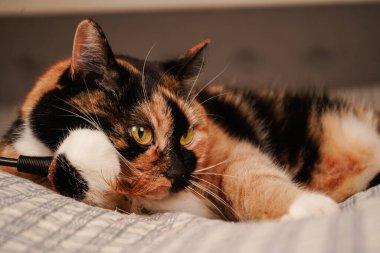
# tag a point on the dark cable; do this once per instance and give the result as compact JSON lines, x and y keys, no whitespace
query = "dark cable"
{"x":28,"y":164}
{"x":9,"y":162}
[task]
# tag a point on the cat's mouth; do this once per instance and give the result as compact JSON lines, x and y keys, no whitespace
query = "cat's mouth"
{"x":169,"y":186}
{"x":179,"y":184}
{"x":158,"y":193}
{"x":152,"y":185}
{"x":145,"y":187}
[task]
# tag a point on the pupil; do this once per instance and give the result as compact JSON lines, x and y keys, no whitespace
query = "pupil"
{"x":185,"y":135}
{"x":140,"y":132}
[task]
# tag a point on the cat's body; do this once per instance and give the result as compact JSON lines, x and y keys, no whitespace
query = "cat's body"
{"x":136,"y":135}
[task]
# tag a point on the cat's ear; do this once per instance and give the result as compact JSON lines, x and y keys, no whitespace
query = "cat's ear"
{"x":92,"y":59}
{"x":189,"y":64}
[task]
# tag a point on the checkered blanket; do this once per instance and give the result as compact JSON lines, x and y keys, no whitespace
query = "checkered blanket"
{"x":34,"y":219}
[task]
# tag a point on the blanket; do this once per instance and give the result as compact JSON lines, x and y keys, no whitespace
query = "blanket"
{"x":35,"y":219}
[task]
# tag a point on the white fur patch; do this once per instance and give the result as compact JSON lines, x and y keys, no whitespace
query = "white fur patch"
{"x":350,"y":136}
{"x":95,"y":158}
{"x":361,"y":136}
{"x":181,"y":202}
{"x":311,"y":204}
{"x":349,"y":131}
{"x":29,"y":145}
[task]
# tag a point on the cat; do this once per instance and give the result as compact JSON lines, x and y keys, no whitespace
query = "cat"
{"x":138,"y":136}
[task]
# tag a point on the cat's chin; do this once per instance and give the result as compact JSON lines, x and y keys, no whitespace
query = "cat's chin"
{"x":157,"y":194}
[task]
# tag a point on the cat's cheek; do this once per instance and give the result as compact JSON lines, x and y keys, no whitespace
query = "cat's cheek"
{"x":311,"y":205}
{"x":199,"y":146}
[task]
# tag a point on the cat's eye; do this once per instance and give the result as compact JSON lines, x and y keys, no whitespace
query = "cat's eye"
{"x":142,"y":135}
{"x":187,"y":137}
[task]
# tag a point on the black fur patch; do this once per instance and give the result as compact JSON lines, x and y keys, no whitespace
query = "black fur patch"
{"x":152,"y":71}
{"x":68,"y":181}
{"x":181,"y":124}
{"x":375,"y":181}
{"x":310,"y":149}
{"x":51,"y":119}
{"x":184,"y":161}
{"x":291,"y":136}
{"x":287,"y":134}
{"x":229,"y":117}
{"x":182,"y":169}
{"x":133,"y":150}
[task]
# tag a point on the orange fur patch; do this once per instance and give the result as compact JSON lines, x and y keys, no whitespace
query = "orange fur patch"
{"x":128,"y":66}
{"x":195,"y":49}
{"x":45,"y":83}
{"x":348,"y":150}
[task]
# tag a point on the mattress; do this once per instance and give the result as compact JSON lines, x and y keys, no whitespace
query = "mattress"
{"x":35,"y":219}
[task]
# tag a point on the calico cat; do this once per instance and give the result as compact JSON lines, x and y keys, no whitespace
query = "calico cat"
{"x":137,"y":135}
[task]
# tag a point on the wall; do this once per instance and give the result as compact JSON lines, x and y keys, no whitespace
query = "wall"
{"x":298,"y":46}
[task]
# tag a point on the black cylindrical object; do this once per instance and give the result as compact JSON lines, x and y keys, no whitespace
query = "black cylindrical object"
{"x":34,"y":165}
{"x":9,"y":162}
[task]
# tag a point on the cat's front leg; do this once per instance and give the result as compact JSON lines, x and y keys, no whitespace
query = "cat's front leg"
{"x":259,"y":189}
{"x":85,"y":168}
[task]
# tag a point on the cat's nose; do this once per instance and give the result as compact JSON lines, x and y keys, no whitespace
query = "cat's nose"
{"x":176,"y":171}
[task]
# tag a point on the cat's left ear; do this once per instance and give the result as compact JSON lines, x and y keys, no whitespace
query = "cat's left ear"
{"x":189,"y":64}
{"x":92,"y":60}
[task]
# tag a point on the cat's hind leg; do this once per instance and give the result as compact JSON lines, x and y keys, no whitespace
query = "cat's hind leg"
{"x":349,"y":154}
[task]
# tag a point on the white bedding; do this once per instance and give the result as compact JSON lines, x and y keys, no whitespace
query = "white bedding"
{"x":34,"y":219}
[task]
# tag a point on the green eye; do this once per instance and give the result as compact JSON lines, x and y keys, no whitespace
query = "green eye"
{"x":142,"y":135}
{"x":187,"y":137}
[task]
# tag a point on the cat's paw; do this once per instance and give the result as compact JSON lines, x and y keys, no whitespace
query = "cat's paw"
{"x":310,"y":205}
{"x":66,"y":179}
{"x":85,"y":167}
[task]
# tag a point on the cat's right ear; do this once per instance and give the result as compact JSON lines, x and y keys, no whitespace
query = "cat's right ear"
{"x":189,"y":64}
{"x":92,"y":60}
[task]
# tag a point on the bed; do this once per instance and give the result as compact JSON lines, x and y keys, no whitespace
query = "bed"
{"x":35,"y":219}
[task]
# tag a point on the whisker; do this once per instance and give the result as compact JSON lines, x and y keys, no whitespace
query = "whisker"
{"x":79,"y":116}
{"x":167,"y":71}
{"x":208,"y":83}
{"x":96,"y":126}
{"x":216,"y":174}
{"x":105,"y":179}
{"x":117,"y":209}
{"x":209,"y":201}
{"x":125,"y":161}
{"x":86,"y":114}
{"x":214,"y":185}
{"x":219,"y":95}
{"x":143,"y":74}
{"x":196,"y":79}
{"x":92,"y":105}
{"x":215,"y":196}
{"x":213,"y":166}
{"x":211,"y":115}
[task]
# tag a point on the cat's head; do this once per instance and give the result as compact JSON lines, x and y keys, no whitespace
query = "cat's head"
{"x":147,"y":109}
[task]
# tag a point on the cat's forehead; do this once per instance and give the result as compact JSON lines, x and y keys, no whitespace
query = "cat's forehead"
{"x":164,"y":107}
{"x":168,"y":115}
{"x":150,"y":72}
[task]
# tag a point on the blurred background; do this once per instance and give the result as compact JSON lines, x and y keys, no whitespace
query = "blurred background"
{"x":298,"y":44}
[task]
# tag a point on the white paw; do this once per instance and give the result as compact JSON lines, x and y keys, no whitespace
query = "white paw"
{"x":311,"y":204}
